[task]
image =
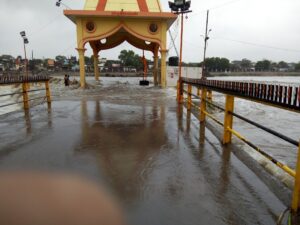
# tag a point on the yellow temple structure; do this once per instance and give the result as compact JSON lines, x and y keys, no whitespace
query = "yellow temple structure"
{"x":105,"y":24}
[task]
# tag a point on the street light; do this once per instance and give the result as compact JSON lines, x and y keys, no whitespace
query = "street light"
{"x":25,"y":42}
{"x":180,"y":7}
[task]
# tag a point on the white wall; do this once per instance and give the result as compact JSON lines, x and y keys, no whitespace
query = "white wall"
{"x":190,"y":72}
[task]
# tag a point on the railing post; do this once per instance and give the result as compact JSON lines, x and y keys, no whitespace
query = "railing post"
{"x":209,"y":96}
{"x":25,"y":96}
{"x":296,"y":194}
{"x":203,"y":104}
{"x":228,"y":119}
{"x":48,"y":93}
{"x":179,"y":91}
{"x":198,"y":92}
{"x":189,"y":106}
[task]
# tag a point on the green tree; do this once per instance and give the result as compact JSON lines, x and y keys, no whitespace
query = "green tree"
{"x":130,"y":59}
{"x":283,"y":64}
{"x":217,"y":64}
{"x":264,"y":65}
{"x":60,"y":58}
{"x":297,"y":67}
{"x":274,"y":66}
{"x":88,"y":60}
{"x":246,"y":64}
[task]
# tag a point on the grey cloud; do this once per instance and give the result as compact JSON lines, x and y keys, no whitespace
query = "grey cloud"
{"x":269,"y":22}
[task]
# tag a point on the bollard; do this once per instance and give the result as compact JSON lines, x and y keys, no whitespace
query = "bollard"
{"x":189,"y":106}
{"x":296,"y":194}
{"x":228,"y":119}
{"x":203,"y":104}
{"x":48,"y":93}
{"x":25,"y":96}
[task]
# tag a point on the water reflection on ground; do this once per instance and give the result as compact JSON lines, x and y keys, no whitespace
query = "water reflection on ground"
{"x":149,"y":153}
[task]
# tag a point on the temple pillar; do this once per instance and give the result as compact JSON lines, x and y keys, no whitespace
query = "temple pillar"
{"x":82,"y":66}
{"x":163,"y":68}
{"x":155,"y":68}
{"x":96,"y":66}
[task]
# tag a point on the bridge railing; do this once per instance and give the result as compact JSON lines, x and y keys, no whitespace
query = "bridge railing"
{"x":26,"y":90}
{"x":280,"y":96}
{"x":283,"y":96}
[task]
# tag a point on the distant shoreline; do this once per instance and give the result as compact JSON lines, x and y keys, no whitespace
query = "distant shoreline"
{"x":255,"y":74}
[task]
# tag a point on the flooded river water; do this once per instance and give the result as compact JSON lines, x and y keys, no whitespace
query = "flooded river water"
{"x":148,"y":152}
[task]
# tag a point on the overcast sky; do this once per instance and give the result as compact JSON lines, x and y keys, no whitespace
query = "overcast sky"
{"x":253,"y":29}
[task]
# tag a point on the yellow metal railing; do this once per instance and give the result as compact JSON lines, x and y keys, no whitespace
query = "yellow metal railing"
{"x":205,"y":97}
{"x":25,"y":93}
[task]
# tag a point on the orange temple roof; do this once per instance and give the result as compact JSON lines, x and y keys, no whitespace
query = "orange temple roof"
{"x":123,"y":5}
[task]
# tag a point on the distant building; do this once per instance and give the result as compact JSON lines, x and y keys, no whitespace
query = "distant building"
{"x":292,"y":66}
{"x":50,"y":64}
{"x":7,"y":62}
{"x":75,"y":68}
{"x":1,"y":69}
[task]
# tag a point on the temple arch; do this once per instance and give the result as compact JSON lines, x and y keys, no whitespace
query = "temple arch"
{"x":139,"y":22}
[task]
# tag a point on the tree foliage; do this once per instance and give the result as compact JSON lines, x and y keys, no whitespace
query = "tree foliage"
{"x":246,"y":64}
{"x":297,"y":67}
{"x":283,"y":64}
{"x":264,"y":65}
{"x":60,"y":58}
{"x":217,"y":64}
{"x":130,"y":59}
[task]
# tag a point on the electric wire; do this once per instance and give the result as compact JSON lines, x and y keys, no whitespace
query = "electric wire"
{"x":256,"y":44}
{"x":217,"y":6}
{"x":34,"y":34}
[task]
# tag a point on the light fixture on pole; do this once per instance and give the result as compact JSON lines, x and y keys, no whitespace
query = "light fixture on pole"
{"x":25,"y":42}
{"x":180,"y":7}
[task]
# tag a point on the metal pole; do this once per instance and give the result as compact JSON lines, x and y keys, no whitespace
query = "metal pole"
{"x":205,"y":47}
{"x":179,"y":83}
{"x":181,"y":45}
{"x":26,"y":65}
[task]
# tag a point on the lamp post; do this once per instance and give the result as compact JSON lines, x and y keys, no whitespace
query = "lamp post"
{"x":206,"y":38}
{"x":180,"y":7}
{"x":25,"y":42}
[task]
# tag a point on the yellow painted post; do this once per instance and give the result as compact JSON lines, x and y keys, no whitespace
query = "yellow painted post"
{"x":189,"y":106}
{"x":164,"y":68}
{"x":198,"y":92}
{"x":48,"y":92}
{"x":296,"y":194}
{"x":228,"y":119}
{"x":180,"y":87}
{"x":155,"y":68}
{"x":209,"y":96}
{"x":96,"y":66}
{"x":25,"y":96}
{"x":203,"y":104}
{"x":82,"y":66}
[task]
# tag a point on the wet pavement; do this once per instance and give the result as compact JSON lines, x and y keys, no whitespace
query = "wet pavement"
{"x":149,"y":153}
